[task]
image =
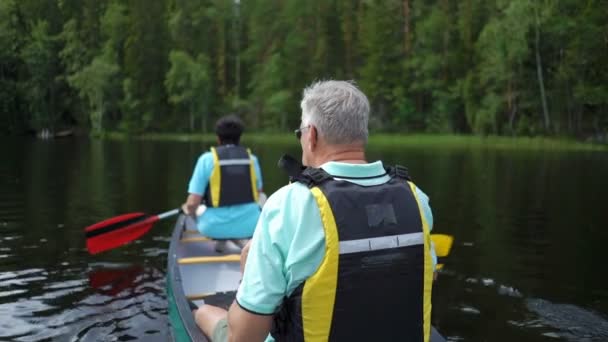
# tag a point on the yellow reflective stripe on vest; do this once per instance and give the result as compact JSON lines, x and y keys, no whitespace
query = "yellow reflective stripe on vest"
{"x":319,"y":293}
{"x":215,"y":180}
{"x":254,"y":180}
{"x":428,"y":268}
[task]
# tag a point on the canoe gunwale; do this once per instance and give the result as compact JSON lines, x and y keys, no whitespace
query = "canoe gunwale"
{"x":175,"y":283}
{"x":174,"y":280}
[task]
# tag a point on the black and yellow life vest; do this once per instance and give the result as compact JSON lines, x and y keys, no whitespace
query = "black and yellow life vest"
{"x":233,"y":179}
{"x":374,"y":282}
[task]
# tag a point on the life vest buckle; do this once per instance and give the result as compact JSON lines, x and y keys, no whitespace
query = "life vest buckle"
{"x":318,"y":176}
{"x":399,"y":171}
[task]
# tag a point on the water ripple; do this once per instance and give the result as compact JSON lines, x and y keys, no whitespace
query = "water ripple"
{"x":128,"y":304}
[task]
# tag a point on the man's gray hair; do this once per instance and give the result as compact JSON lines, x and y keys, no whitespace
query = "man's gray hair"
{"x":339,"y":111}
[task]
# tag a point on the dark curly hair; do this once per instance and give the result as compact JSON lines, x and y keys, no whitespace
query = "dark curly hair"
{"x":229,"y":129}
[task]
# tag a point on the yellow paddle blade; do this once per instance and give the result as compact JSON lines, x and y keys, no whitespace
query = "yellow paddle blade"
{"x":443,"y":244}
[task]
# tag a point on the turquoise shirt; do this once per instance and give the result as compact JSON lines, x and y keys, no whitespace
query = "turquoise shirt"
{"x":228,"y":222}
{"x":289,"y":241}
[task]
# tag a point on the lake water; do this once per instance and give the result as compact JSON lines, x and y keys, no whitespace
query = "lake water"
{"x":528,"y":264}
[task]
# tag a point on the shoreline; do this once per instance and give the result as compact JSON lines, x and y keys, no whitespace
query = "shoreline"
{"x":390,"y":139}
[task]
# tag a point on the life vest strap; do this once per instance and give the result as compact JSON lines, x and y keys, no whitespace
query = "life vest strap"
{"x":399,"y":171}
{"x":312,"y":177}
{"x":316,"y":176}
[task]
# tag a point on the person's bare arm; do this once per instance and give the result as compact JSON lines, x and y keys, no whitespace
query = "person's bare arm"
{"x":244,"y":254}
{"x":192,"y":202}
{"x":244,"y":326}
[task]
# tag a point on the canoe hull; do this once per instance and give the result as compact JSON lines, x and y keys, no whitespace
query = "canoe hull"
{"x":213,"y":283}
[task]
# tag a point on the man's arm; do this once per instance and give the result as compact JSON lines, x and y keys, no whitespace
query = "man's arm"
{"x":246,"y":326}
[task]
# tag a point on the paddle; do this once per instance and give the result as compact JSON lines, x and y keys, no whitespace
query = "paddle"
{"x":111,"y":281}
{"x":290,"y":165}
{"x":443,"y":245}
{"x":119,"y":230}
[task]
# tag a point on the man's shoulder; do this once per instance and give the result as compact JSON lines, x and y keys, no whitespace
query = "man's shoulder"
{"x":288,"y":195}
{"x":419,"y":193}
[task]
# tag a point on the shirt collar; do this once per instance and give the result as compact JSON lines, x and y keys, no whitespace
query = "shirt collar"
{"x":338,"y":169}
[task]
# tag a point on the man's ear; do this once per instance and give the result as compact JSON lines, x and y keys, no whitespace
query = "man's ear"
{"x":312,"y":138}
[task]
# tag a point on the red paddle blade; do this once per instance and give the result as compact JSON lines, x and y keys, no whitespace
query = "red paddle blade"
{"x":113,"y":281}
{"x":124,"y":220}
{"x":117,"y":231}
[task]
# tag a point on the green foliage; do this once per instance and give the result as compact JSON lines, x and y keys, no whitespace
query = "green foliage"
{"x":130,"y":105}
{"x":145,"y":64}
{"x":114,"y":29}
{"x":38,"y":57}
{"x":513,"y":67}
{"x":74,"y":57}
{"x":188,"y":85}
{"x":10,"y":62}
{"x":74,"y":52}
{"x":381,"y":73}
{"x":93,"y":82}
{"x":266,"y":84}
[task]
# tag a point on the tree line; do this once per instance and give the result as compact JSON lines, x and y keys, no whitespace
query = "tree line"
{"x":510,"y":67}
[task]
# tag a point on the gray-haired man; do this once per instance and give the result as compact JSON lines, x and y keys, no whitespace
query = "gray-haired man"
{"x":343,"y":253}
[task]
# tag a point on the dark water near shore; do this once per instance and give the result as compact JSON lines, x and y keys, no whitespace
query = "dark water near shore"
{"x":528,"y":263}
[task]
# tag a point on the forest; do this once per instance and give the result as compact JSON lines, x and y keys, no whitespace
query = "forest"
{"x":503,"y":67}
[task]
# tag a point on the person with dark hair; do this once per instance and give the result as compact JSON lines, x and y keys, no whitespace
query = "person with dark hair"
{"x":229,"y":129}
{"x":226,"y":187}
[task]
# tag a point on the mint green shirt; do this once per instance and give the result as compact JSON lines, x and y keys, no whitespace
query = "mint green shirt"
{"x":289,"y":241}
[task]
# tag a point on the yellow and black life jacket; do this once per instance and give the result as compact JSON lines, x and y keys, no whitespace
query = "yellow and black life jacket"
{"x":233,"y":179}
{"x":375,"y":280}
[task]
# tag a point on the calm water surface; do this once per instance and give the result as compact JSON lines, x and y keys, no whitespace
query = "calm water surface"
{"x":528,"y":263}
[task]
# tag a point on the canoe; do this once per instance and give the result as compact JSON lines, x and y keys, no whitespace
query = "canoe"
{"x":48,"y":134}
{"x":196,"y":272}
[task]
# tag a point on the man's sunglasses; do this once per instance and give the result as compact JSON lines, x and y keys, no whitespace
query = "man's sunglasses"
{"x":298,"y":132}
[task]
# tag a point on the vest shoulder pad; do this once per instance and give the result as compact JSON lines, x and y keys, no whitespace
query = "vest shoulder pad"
{"x":398,"y":171}
{"x":312,"y":177}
